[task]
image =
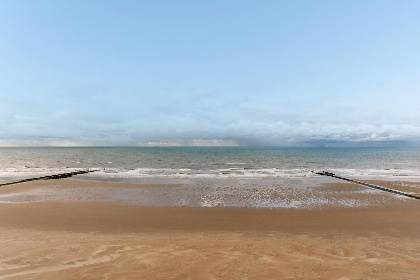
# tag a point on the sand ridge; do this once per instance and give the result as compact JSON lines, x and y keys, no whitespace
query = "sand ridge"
{"x":205,"y":255}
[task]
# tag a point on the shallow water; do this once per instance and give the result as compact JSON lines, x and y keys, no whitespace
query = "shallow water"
{"x":299,"y":193}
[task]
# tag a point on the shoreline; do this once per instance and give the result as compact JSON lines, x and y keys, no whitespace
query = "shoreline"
{"x":94,"y":210}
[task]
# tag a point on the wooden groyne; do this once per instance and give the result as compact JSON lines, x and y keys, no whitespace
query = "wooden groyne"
{"x":49,"y":177}
{"x":324,"y":173}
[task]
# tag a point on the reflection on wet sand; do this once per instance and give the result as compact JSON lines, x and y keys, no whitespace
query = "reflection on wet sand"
{"x":286,"y":193}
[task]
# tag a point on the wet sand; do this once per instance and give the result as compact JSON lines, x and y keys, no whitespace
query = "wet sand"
{"x":107,"y":239}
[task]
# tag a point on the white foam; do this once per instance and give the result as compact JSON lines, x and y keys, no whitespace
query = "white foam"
{"x":239,"y":173}
{"x":385,"y":174}
{"x":27,"y":172}
{"x":223,"y":173}
{"x":243,"y":173}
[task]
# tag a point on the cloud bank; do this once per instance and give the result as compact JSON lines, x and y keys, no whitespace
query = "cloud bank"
{"x":189,"y":143}
{"x":241,"y":134}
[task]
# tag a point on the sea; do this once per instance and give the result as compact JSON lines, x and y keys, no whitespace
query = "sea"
{"x":212,"y":162}
{"x":214,"y":176}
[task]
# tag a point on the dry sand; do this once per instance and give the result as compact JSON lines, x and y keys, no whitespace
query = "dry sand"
{"x":96,"y":239}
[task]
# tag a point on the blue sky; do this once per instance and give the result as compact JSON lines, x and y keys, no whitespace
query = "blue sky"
{"x":211,"y":72}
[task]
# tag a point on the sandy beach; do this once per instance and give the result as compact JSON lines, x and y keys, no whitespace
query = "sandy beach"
{"x":97,"y":238}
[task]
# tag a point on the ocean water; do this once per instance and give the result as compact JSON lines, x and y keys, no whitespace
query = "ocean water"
{"x":214,"y":177}
{"x":118,"y":164}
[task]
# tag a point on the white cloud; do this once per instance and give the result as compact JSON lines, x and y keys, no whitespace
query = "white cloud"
{"x":46,"y":142}
{"x":241,"y":133}
{"x":189,"y":143}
